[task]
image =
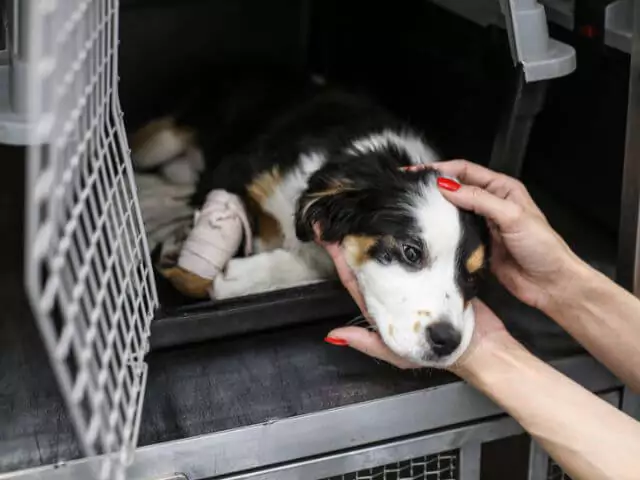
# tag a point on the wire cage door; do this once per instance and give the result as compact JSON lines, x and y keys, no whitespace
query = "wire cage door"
{"x":88,"y":270}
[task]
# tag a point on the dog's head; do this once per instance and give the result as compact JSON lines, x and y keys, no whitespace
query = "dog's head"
{"x":417,"y":257}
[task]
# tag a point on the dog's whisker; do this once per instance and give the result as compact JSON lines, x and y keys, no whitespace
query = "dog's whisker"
{"x":361,"y":321}
{"x":356,"y":320}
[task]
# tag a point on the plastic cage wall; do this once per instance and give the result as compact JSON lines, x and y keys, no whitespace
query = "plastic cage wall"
{"x":87,"y":266}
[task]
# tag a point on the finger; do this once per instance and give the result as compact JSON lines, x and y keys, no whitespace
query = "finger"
{"x":499,"y":184}
{"x":504,"y":213}
{"x":477,"y":175}
{"x":467,"y":172}
{"x":370,"y":344}
{"x":346,"y":275}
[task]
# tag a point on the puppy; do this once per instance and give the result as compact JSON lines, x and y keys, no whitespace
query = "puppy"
{"x":336,"y":160}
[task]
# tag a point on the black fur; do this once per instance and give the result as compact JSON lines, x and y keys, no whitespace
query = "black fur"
{"x":369,"y":192}
{"x":373,"y":203}
{"x":324,"y":120}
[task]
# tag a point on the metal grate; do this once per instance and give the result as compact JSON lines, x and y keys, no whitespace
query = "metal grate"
{"x":554,"y":472}
{"x":441,"y":466}
{"x":87,"y":264}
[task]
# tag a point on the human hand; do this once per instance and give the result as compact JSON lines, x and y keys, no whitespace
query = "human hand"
{"x":528,"y":257}
{"x":487,"y":327}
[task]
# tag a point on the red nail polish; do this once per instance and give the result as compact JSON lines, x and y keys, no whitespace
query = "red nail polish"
{"x":336,"y":341}
{"x":448,"y":184}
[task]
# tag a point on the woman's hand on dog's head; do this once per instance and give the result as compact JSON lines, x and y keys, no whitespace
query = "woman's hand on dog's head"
{"x":527,"y":256}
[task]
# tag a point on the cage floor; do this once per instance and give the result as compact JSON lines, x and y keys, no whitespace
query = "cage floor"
{"x":228,"y":383}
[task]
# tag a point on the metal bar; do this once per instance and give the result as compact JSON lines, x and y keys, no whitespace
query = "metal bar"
{"x":628,"y":257}
{"x":258,"y":446}
{"x":469,"y":439}
{"x":512,"y":138}
{"x":538,"y":462}
{"x":470,"y":456}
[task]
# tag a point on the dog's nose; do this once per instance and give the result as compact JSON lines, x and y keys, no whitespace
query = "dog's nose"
{"x":443,"y":337}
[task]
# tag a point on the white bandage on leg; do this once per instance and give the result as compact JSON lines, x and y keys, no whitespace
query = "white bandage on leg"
{"x":216,"y":235}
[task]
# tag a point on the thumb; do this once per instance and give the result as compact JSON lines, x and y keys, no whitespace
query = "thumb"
{"x":371,"y":344}
{"x":503,"y":213}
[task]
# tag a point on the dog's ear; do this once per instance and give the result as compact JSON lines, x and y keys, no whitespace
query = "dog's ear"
{"x":351,"y":196}
{"x":479,"y":236}
{"x":334,"y":205}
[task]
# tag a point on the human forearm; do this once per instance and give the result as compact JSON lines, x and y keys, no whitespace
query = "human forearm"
{"x":589,"y":438}
{"x":602,"y":317}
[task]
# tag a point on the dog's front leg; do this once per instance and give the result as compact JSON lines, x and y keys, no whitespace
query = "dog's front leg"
{"x":273,"y":270}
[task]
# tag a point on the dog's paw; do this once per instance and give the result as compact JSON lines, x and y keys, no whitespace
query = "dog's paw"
{"x":241,"y":277}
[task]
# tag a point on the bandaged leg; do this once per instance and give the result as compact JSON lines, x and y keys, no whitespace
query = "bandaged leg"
{"x":215,"y":238}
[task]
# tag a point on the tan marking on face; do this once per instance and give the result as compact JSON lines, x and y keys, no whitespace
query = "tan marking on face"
{"x":424,"y":313}
{"x":145,"y":134}
{"x":416,"y":327}
{"x":263,"y":185}
{"x":475,"y":260}
{"x":357,"y":247}
{"x":391,"y":330}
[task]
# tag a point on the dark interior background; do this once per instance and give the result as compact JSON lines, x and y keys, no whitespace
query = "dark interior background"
{"x":449,"y":76}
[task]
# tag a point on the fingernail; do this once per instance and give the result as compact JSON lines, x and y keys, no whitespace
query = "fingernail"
{"x":448,"y":184}
{"x":336,"y":341}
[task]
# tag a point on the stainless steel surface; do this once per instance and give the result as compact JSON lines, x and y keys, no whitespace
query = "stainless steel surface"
{"x":287,"y":440}
{"x":468,"y":439}
{"x":628,"y":258}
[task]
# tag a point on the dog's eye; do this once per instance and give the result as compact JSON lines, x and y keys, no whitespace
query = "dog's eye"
{"x":411,"y":254}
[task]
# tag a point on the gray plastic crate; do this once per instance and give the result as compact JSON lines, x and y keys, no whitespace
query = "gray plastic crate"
{"x":88,"y":272}
{"x":541,"y":57}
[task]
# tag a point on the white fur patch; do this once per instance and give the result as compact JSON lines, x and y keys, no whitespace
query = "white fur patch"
{"x":282,"y":203}
{"x":274,"y":270}
{"x":417,"y":150}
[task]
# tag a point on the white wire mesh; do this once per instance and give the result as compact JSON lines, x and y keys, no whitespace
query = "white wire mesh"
{"x":87,"y":263}
{"x":440,"y":466}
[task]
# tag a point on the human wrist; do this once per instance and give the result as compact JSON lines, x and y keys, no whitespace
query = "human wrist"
{"x":567,"y":290}
{"x":482,"y":355}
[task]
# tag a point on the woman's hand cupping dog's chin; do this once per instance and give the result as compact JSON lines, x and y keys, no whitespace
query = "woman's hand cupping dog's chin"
{"x":489,"y":330}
